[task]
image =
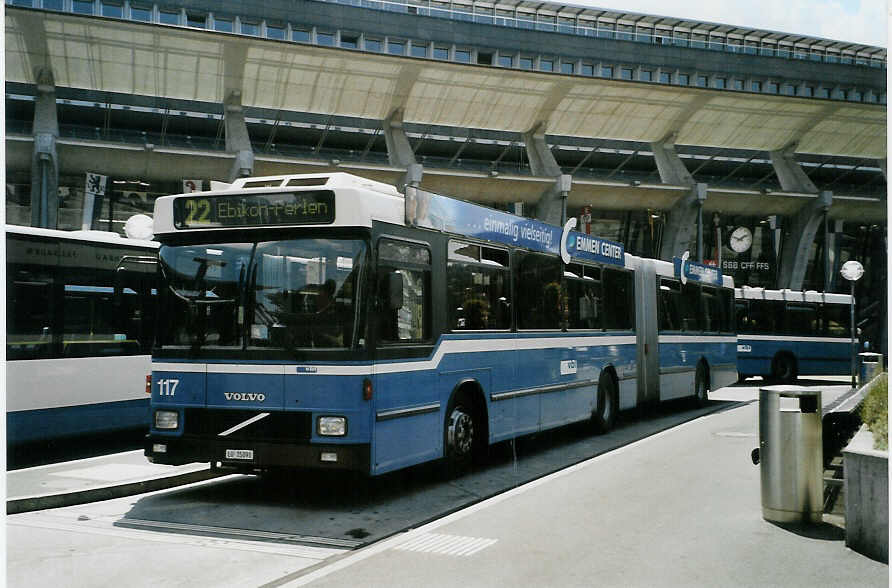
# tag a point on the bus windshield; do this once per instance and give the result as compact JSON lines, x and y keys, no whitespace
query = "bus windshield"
{"x":265,"y":295}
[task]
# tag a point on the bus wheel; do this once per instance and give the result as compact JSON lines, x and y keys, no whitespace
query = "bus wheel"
{"x":460,"y":435}
{"x":784,"y":368}
{"x":701,"y":388}
{"x":604,"y":416}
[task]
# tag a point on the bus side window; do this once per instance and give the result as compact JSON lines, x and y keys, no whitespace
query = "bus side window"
{"x":669,"y":315}
{"x":540,"y":294}
{"x":763,"y":316}
{"x":478,"y":287}
{"x":411,"y":321}
{"x":715,"y":307}
{"x":741,"y":310}
{"x":29,"y":316}
{"x":836,"y":320}
{"x":801,"y":319}
{"x":619,"y":307}
{"x":727,"y":302}
{"x":691,"y":312}
{"x":583,"y":296}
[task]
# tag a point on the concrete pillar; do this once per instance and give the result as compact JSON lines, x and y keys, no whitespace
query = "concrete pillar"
{"x":670,"y":166}
{"x":798,"y":240}
{"x":238,"y":142}
{"x":399,"y":151}
{"x":686,"y":217}
{"x":834,"y":248}
{"x":789,"y":172}
{"x":552,"y":205}
{"x":685,"y":221}
{"x":45,"y":158}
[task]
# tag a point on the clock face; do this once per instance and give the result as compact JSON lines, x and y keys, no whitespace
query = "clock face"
{"x":741,"y":239}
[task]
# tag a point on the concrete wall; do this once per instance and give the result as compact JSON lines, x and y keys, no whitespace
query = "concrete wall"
{"x":867,"y":497}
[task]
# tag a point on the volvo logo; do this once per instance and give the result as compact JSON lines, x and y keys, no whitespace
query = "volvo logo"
{"x":244,"y":397}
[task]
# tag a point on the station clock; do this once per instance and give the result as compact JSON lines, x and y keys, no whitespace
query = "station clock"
{"x":741,"y":239}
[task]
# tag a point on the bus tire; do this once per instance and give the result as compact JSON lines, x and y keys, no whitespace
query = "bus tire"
{"x":701,"y":385}
{"x":783,"y":368}
{"x":461,"y":435}
{"x":604,"y":416}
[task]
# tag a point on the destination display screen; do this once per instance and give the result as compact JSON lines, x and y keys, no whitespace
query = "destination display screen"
{"x":254,"y":210}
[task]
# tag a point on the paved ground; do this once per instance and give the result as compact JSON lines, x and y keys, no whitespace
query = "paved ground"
{"x":680,"y":508}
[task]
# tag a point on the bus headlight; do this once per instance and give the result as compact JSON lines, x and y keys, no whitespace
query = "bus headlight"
{"x":332,"y":426}
{"x":166,"y":419}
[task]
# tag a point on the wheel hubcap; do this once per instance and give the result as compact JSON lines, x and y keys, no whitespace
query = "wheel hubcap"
{"x":461,"y":432}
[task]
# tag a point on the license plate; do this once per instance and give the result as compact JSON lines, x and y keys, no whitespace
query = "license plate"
{"x":239,"y":454}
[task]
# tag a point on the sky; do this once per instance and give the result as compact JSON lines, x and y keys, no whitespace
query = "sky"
{"x":858,"y":21}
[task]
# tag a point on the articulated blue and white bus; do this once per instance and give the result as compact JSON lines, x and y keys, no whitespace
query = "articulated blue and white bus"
{"x":327,"y":321}
{"x":784,"y":333}
{"x":79,"y":323}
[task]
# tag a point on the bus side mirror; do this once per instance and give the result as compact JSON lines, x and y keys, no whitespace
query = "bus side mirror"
{"x":394,"y":292}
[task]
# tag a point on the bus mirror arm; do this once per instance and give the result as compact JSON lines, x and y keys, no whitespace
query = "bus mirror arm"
{"x":395,"y":290}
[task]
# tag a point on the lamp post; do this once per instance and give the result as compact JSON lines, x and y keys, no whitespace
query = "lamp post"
{"x":852,"y":271}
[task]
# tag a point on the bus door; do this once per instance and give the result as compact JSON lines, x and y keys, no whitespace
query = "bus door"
{"x":135,"y":298}
{"x":407,"y":428}
{"x":647,"y":338}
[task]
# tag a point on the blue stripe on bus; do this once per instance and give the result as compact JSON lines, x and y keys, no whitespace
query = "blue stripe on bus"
{"x":51,"y":423}
{"x":812,"y":357}
{"x":530,"y":381}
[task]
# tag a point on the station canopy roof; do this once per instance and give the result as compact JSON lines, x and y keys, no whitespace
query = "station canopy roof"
{"x":105,"y":55}
{"x":612,"y":16}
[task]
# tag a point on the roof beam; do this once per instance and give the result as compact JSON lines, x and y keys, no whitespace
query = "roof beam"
{"x":622,"y":164}
{"x":585,"y":160}
{"x":737,"y":169}
{"x":458,"y":152}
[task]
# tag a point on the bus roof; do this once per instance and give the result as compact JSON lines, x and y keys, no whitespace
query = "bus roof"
{"x":107,"y":237}
{"x":358,"y":201}
{"x":748,"y":293}
{"x":667,"y":269}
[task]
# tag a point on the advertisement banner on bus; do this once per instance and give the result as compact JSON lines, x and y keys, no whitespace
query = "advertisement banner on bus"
{"x":433,"y":211}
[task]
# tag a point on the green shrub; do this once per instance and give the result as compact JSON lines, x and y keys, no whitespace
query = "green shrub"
{"x":875,"y":410}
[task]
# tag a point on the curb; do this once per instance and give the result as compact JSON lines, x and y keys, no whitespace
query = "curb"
{"x":31,"y":503}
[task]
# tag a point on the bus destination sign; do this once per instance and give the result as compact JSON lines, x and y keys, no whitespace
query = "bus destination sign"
{"x":254,"y":210}
{"x":687,"y":270}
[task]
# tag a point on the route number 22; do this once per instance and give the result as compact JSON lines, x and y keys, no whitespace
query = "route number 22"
{"x":199,"y":211}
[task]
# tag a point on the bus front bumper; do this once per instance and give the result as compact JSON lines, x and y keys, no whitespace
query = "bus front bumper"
{"x":256,"y":456}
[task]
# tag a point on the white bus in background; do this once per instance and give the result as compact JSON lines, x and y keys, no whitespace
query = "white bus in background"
{"x":784,"y":333}
{"x":80,"y":311}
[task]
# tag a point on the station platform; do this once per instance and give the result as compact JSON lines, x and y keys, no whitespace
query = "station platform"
{"x":96,"y":478}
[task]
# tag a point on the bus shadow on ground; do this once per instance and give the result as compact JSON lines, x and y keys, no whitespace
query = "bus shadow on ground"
{"x":345,"y":506}
{"x":822,"y":381}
